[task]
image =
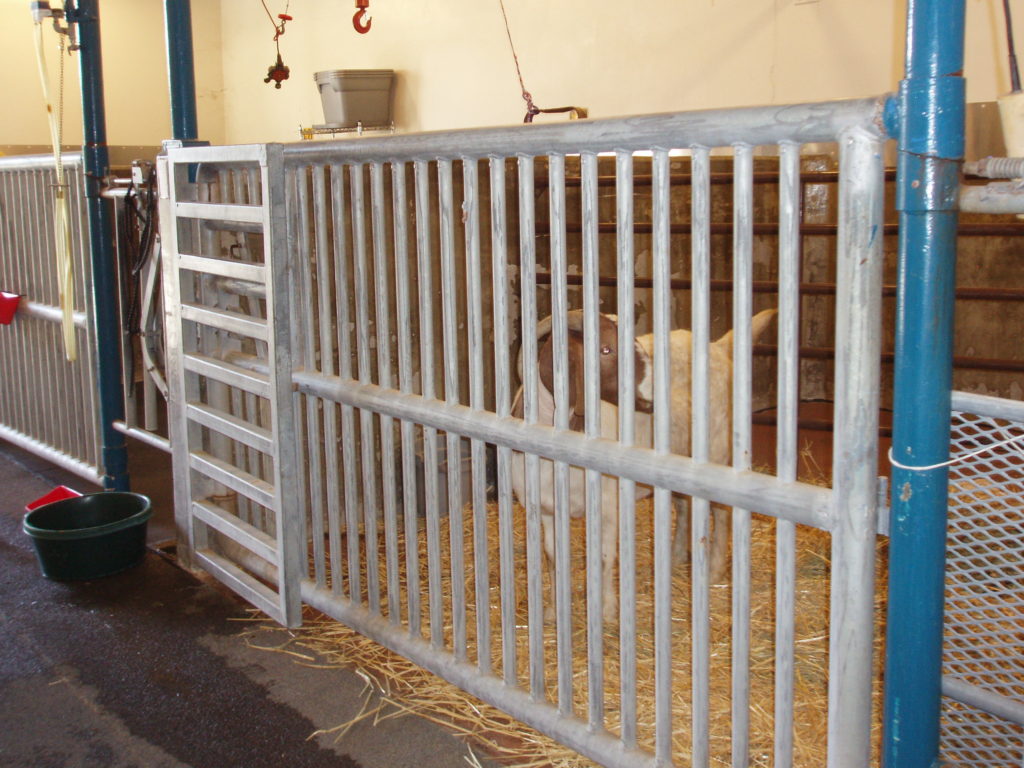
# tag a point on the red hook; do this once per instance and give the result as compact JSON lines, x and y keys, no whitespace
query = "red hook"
{"x":361,"y":14}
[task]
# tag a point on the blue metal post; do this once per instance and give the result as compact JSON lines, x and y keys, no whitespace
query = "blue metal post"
{"x":181,"y":69}
{"x":931,"y":142}
{"x":101,"y":242}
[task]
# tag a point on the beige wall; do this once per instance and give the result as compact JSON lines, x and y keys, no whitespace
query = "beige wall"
{"x":455,"y":66}
{"x":134,"y":74}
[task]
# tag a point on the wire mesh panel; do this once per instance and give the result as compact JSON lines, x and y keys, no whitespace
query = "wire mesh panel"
{"x":983,"y":667}
{"x":48,"y":405}
{"x":523,"y":425}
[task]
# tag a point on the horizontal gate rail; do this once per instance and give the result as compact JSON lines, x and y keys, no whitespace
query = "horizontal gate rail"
{"x":802,"y":503}
{"x":802,"y":123}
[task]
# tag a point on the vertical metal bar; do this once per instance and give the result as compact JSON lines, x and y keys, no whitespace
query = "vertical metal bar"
{"x":503,"y":407}
{"x":562,"y":585}
{"x":626,"y":272}
{"x":382,"y":300}
{"x":403,"y":302}
{"x":367,"y":425}
{"x":180,"y":68}
{"x":304,"y":334}
{"x":324,"y":280}
{"x":855,"y":447}
{"x":592,"y":395}
{"x":474,"y":326}
{"x":742,"y":303}
{"x":288,"y":522}
{"x":661,"y":320}
{"x":786,"y":441}
{"x":700,"y":439}
{"x":96,"y":167}
{"x":178,"y":344}
{"x":931,"y":145}
{"x":534,"y":561}
{"x":348,"y":426}
{"x":452,"y":365}
{"x":426,"y":308}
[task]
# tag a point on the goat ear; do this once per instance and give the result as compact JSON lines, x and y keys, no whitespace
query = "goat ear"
{"x":758,"y":324}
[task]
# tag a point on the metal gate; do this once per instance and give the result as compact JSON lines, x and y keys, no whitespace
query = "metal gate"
{"x":390,"y":427}
{"x":47,"y":405}
{"x":983,"y":666}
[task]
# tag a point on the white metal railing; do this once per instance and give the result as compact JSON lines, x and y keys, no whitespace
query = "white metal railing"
{"x":408,"y":291}
{"x":48,"y":405}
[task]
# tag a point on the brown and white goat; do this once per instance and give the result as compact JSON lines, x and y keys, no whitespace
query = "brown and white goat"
{"x":720,"y":403}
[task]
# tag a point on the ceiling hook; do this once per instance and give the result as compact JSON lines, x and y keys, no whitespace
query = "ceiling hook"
{"x":362,"y":21}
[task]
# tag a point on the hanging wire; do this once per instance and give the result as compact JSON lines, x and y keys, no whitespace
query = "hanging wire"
{"x":278,"y":27}
{"x":532,"y":110}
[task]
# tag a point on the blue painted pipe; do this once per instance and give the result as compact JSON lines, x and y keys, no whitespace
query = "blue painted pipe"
{"x":181,"y":69}
{"x":96,"y":162}
{"x":930,"y":127}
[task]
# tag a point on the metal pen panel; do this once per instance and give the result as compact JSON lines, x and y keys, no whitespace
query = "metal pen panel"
{"x":742,"y":298}
{"x":48,"y":406}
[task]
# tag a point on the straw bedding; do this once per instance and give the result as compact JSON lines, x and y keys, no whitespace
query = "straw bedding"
{"x":397,"y":687}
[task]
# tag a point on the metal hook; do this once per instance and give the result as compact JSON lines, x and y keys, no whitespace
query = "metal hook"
{"x":361,"y":15}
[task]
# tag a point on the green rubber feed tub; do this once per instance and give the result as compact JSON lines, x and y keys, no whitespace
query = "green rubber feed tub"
{"x":89,"y":536}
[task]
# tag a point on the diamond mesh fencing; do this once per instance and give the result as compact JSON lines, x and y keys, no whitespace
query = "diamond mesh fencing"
{"x":984,"y":624}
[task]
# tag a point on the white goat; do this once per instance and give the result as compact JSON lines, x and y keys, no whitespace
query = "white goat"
{"x":720,"y":400}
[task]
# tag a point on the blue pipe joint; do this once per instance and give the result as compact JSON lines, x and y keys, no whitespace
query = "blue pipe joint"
{"x":931,"y":143}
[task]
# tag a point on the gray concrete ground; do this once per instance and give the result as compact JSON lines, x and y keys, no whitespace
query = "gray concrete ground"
{"x":149,"y":669}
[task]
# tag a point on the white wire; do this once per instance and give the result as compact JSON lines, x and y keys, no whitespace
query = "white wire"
{"x":956,"y":459}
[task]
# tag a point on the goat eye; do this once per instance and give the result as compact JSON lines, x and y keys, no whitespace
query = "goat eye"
{"x":606,"y":350}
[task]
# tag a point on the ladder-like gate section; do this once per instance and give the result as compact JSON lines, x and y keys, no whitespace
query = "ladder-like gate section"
{"x":349,"y":325}
{"x":231,"y":423}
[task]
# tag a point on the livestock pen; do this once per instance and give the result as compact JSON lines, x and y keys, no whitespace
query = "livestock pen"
{"x":310,"y":427}
{"x":347,"y":324}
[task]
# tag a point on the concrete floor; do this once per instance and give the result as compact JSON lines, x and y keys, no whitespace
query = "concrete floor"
{"x":148,"y":669}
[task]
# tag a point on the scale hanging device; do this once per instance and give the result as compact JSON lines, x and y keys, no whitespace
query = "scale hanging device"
{"x":277,"y":72}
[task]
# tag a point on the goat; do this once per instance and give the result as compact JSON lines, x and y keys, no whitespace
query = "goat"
{"x":719,"y":444}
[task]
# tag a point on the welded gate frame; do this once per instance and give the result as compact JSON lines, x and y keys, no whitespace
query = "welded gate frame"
{"x":211,"y":441}
{"x":848,"y":510}
{"x":48,"y":406}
